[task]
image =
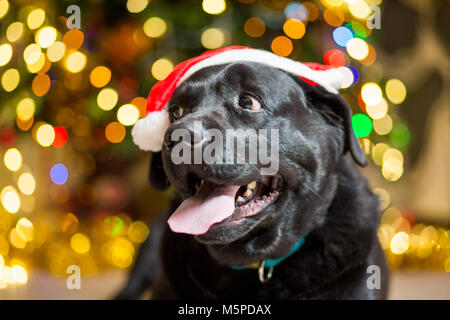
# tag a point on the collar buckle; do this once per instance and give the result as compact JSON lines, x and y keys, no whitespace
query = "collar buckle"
{"x":264,"y":277}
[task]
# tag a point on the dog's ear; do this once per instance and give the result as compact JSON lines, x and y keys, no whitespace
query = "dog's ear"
{"x":331,"y":105}
{"x":156,"y":175}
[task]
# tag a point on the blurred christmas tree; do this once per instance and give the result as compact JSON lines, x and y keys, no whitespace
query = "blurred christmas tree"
{"x":72,"y":186}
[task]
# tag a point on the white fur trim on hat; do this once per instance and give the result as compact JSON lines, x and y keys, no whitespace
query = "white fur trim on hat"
{"x":148,"y":132}
{"x":330,"y":79}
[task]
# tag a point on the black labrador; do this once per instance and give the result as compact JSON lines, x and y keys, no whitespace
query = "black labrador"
{"x":317,"y":195}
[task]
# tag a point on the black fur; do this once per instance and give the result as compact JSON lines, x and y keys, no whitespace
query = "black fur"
{"x":323,"y":193}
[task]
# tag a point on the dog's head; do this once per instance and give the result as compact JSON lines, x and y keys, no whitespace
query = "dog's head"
{"x":238,"y":211}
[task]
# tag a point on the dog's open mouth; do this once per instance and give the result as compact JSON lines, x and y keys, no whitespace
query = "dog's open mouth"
{"x":213,"y":203}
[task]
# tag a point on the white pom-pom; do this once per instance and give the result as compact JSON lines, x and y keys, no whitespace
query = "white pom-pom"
{"x":148,"y":132}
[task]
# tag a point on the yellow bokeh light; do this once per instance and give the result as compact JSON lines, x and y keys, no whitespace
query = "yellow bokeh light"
{"x":135,"y":6}
{"x":32,"y":53}
{"x":161,"y":68}
{"x":400,"y":243}
{"x":155,"y":27}
{"x":38,"y":65}
{"x":357,"y":48}
{"x":36,"y":18}
{"x":384,"y":125}
{"x":128,"y":114}
{"x":214,"y":6}
{"x":359,"y":9}
{"x":25,"y":109}
{"x":100,"y":76}
{"x":138,"y":231}
{"x":14,"y":31}
{"x":107,"y":99}
{"x":26,"y":183}
{"x":5,"y":53}
{"x":213,"y":38}
{"x":10,"y":79}
{"x":377,"y":111}
{"x":294,"y":29}
{"x":80,"y":243}
{"x":45,"y":135}
{"x":18,"y":238}
{"x":45,"y":37}
{"x":10,"y":199}
{"x":4,"y":6}
{"x":20,"y":274}
{"x":393,"y":153}
{"x":26,"y":226}
{"x":378,"y":151}
{"x":56,"y":51}
{"x":392,"y":169}
{"x":333,"y":3}
{"x":371,"y":94}
{"x":395,"y":91}
{"x":13,"y":159}
{"x":75,"y":62}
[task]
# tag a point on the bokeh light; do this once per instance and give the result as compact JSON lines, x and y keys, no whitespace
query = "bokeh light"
{"x":341,"y":36}
{"x":115,"y":132}
{"x":59,"y":173}
{"x":61,"y":137}
{"x":100,"y":76}
{"x":282,"y":46}
{"x":41,"y":84}
{"x":395,"y":91}
{"x":56,"y":51}
{"x":4,"y":6}
{"x":107,"y":99}
{"x":45,"y":135}
{"x":214,"y":6}
{"x":10,"y":79}
{"x":161,"y":68}
{"x":75,"y":62}
{"x":45,"y":37}
{"x":400,"y":243}
{"x":362,"y":125}
{"x":254,"y":27}
{"x":213,"y":38}
{"x":26,"y":183}
{"x":25,"y":109}
{"x":359,"y":8}
{"x":155,"y":27}
{"x":10,"y":199}
{"x":377,"y":111}
{"x":14,"y":31}
{"x":80,"y":243}
{"x":73,"y":39}
{"x":128,"y":114}
{"x":334,"y":16}
{"x":35,"y":18}
{"x":371,"y":94}
{"x":357,"y":48}
{"x":12,"y":159}
{"x":294,"y":29}
{"x":138,"y":231}
{"x":135,"y":6}
{"x":383,"y":126}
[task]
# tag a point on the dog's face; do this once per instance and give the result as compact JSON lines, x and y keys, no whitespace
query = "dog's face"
{"x":269,"y":212}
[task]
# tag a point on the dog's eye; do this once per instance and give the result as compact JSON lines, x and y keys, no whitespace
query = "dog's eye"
{"x":177,"y":112}
{"x":250,"y":103}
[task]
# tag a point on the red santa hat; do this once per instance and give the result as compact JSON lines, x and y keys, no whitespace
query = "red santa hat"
{"x":148,"y":132}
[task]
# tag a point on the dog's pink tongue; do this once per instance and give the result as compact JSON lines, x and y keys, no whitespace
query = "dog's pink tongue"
{"x":210,"y":205}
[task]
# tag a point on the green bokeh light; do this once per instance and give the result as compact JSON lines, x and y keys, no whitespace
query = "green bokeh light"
{"x":362,"y":125}
{"x":400,"y":135}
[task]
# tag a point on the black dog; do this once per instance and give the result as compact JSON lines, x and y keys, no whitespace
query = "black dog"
{"x":317,"y":194}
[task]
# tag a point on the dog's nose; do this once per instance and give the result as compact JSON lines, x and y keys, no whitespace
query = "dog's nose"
{"x":191,"y":133}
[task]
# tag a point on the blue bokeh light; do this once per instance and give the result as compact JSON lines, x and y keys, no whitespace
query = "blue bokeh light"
{"x":342,"y":35}
{"x":59,"y":173}
{"x":296,"y":10}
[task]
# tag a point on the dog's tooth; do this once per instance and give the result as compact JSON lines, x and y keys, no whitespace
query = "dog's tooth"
{"x":252,"y":185}
{"x":239,"y":199}
{"x":202,"y":182}
{"x":247,"y":193}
